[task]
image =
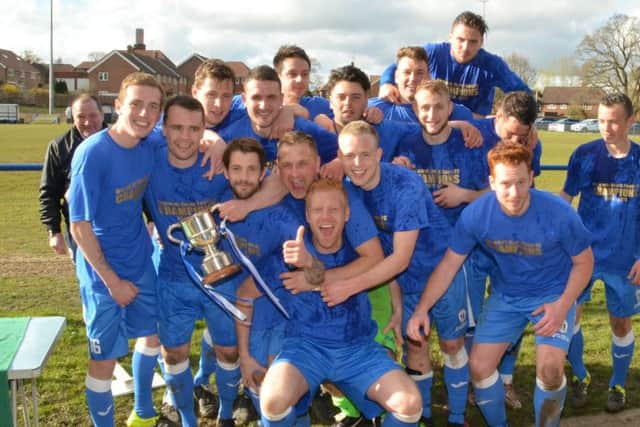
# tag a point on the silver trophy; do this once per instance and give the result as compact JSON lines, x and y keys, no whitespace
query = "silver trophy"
{"x":202,"y":232}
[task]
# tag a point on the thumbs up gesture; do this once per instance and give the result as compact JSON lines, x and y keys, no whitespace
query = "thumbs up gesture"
{"x":295,"y":253}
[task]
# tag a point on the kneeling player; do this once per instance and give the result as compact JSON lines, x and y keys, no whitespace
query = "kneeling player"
{"x":334,"y":344}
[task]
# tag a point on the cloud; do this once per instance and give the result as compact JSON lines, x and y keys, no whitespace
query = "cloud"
{"x":334,"y":32}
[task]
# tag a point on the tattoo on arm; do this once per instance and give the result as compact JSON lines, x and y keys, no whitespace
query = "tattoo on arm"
{"x":314,"y":275}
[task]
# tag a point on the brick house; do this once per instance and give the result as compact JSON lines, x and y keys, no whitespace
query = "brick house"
{"x":556,"y":100}
{"x":75,"y":78}
{"x":14,"y":70}
{"x":106,"y":74}
{"x":188,"y":67}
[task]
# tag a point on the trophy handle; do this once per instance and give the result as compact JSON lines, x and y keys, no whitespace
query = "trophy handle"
{"x":214,"y":208}
{"x":170,"y":231}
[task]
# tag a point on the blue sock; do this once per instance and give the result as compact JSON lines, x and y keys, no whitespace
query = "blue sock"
{"x":143,"y":364}
{"x":227,"y":381}
{"x":490,"y":400}
{"x":553,"y":400}
{"x":575,"y":354}
{"x":99,"y":401}
{"x":255,"y":399}
{"x":424,"y":382}
{"x":622,"y":353}
{"x":288,"y":419}
{"x":509,"y":359}
{"x":207,"y":364}
{"x":303,"y":420}
{"x":168,"y":395}
{"x":390,"y":420}
{"x":180,"y":382}
{"x":456,"y":377}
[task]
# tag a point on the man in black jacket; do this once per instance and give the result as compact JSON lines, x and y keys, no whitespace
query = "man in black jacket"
{"x":56,"y":172}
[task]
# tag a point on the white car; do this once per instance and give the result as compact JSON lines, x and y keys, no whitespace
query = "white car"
{"x":561,"y":125}
{"x":588,"y":125}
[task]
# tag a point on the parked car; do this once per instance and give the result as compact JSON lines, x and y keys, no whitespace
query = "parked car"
{"x":542,"y":123}
{"x":562,"y":125}
{"x":587,"y":125}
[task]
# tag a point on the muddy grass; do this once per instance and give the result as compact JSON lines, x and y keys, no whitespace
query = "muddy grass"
{"x":36,"y":265}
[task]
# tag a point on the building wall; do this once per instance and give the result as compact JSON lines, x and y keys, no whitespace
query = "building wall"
{"x":117,"y":69}
{"x":188,"y":70}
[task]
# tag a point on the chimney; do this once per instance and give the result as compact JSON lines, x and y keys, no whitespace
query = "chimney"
{"x":139,"y":39}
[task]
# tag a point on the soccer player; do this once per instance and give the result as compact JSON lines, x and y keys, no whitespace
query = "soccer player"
{"x":298,"y":167}
{"x":294,"y":69}
{"x":412,"y":68}
{"x":56,"y":172}
{"x":414,"y":235}
{"x":177,"y":190}
{"x":110,"y":172}
{"x":454,"y":174}
{"x":605,"y":174}
{"x":513,"y":122}
{"x":471,"y":73}
{"x":213,"y":87}
{"x":332,"y":343}
{"x":263,"y":98}
{"x":348,"y":87}
{"x":542,"y":258}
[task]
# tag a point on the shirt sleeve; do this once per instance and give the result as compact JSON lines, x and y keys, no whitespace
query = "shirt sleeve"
{"x":52,"y":187}
{"x":85,"y":188}
{"x":575,"y":237}
{"x":572,"y":183}
{"x":506,"y":79}
{"x":463,"y":240}
{"x":327,"y":142}
{"x":388,"y":75}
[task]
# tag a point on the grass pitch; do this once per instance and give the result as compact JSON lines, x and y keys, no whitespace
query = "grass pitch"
{"x":35,"y":282}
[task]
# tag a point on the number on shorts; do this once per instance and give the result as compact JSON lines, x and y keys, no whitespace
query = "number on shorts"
{"x":94,"y":346}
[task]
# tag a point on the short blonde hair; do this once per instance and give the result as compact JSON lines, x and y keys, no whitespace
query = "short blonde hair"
{"x":359,"y":128}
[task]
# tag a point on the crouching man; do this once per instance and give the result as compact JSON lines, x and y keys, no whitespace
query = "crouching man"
{"x":336,"y":343}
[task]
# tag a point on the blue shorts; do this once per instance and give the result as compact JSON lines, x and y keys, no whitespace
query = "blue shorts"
{"x":353,"y":368}
{"x":449,"y":315}
{"x":266,"y":344}
{"x":623,"y":297}
{"x":503,"y":320}
{"x":182,"y":303}
{"x":477,"y":269}
{"x":109,"y":326}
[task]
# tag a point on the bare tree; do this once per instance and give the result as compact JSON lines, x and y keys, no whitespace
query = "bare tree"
{"x":30,"y":57}
{"x":315,"y":81}
{"x":522,"y":67}
{"x":611,"y":57}
{"x":96,"y":56}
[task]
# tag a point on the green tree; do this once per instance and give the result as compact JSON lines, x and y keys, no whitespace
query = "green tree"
{"x":61,"y":87}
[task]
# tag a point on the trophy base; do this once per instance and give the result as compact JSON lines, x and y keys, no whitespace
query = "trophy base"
{"x":227,"y":271}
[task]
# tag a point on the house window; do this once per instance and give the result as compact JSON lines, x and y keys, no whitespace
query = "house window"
{"x":587,"y":107}
{"x":552,"y":106}
{"x":564,"y":106}
{"x":103,"y":76}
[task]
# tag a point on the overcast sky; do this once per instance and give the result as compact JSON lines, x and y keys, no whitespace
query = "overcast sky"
{"x":332,"y":31}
